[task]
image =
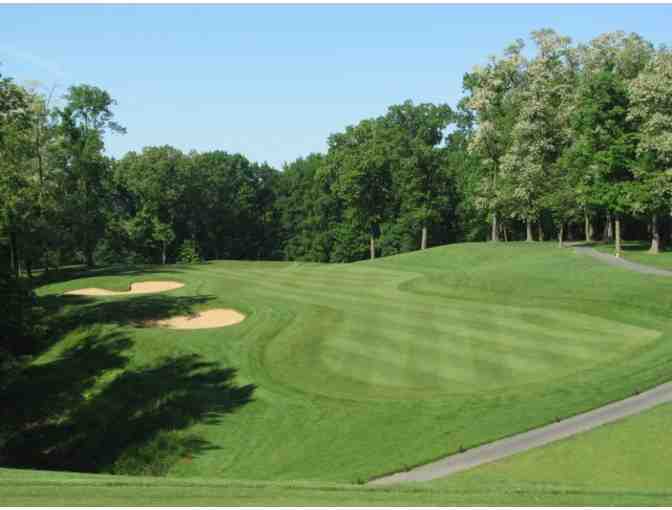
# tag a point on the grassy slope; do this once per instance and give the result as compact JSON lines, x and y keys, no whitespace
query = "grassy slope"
{"x":362,"y":369}
{"x":631,"y":455}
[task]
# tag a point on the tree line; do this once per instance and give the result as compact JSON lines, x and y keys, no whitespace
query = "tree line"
{"x":561,"y":140}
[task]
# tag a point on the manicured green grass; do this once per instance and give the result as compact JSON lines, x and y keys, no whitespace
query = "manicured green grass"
{"x":41,"y":488}
{"x":357,"y":370}
{"x":634,"y":454}
{"x":638,"y":251}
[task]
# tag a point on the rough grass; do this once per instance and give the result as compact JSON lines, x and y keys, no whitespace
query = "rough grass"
{"x":353,"y":371}
{"x":41,"y":488}
{"x":634,"y":454}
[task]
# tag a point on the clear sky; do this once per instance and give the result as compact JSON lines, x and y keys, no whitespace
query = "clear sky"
{"x":272,"y":82}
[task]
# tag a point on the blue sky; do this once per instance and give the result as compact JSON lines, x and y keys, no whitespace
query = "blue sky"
{"x":272,"y":82}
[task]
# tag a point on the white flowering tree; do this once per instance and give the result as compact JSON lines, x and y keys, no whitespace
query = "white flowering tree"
{"x":651,"y":108}
{"x":492,"y":100}
{"x":540,"y":132}
{"x":604,"y":138}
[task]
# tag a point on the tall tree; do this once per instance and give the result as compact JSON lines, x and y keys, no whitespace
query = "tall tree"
{"x":85,"y":118}
{"x":360,"y":160}
{"x":14,"y":180}
{"x":494,"y":103}
{"x":539,"y":134}
{"x":650,"y":96}
{"x":415,"y":132}
{"x":605,"y":138}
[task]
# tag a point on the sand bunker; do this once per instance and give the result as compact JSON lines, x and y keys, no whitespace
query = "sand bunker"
{"x":136,"y":288}
{"x":215,"y":318}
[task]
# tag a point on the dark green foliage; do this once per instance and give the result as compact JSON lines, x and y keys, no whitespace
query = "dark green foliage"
{"x":19,"y":330}
{"x":188,"y":253}
{"x":156,"y":456}
{"x":604,"y":156}
{"x":236,"y":216}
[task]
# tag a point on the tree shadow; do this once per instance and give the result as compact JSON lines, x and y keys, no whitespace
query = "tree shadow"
{"x":75,"y":272}
{"x":65,"y":313}
{"x":43,"y":391}
{"x":637,"y":246}
{"x":627,"y":246}
{"x":58,"y":415}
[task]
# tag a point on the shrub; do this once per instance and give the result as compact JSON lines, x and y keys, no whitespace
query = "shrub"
{"x":188,"y":253}
{"x":155,"y":457}
{"x":19,"y":332}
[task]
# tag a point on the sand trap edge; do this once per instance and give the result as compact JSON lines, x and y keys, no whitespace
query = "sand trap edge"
{"x":207,"y":319}
{"x":152,"y":287}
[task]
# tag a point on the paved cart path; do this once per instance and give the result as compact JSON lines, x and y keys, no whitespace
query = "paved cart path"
{"x":549,"y":433}
{"x":620,"y":262}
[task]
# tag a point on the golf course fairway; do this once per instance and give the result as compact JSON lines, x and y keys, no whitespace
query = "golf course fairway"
{"x":343,"y":372}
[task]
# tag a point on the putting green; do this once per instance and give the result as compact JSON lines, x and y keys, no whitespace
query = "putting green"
{"x":395,"y":344}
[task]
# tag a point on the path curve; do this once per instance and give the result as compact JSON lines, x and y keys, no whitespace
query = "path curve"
{"x":534,"y":438}
{"x":550,"y":433}
{"x":621,"y":262}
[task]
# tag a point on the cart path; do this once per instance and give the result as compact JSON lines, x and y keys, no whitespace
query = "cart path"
{"x":550,"y":433}
{"x":621,"y":262}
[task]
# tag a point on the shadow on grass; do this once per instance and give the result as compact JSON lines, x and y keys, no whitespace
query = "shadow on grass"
{"x":74,"y":272}
{"x":81,"y":271}
{"x":631,"y":246}
{"x":65,"y":313}
{"x":638,"y":246}
{"x":56,"y":415}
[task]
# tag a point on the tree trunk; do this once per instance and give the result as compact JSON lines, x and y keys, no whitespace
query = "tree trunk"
{"x":495,"y":230}
{"x":588,"y":227}
{"x":13,"y":254}
{"x":617,"y":231}
{"x":528,"y":226}
{"x":655,"y":235}
{"x":89,"y":256}
{"x":372,"y":247}
{"x":163,"y":253}
{"x":45,"y":259}
{"x":423,"y":243}
{"x":541,"y":231}
{"x":608,"y":230}
{"x":505,"y":232}
{"x":561,"y":234}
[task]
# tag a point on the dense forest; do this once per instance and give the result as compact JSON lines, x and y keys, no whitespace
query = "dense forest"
{"x":561,"y":141}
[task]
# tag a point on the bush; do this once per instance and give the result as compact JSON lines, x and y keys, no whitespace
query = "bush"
{"x":19,"y":332}
{"x":107,"y":254}
{"x":398,"y":237}
{"x":188,"y":253}
{"x":156,"y":457}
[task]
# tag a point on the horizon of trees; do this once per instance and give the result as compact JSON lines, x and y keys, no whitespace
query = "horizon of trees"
{"x":567,"y":141}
